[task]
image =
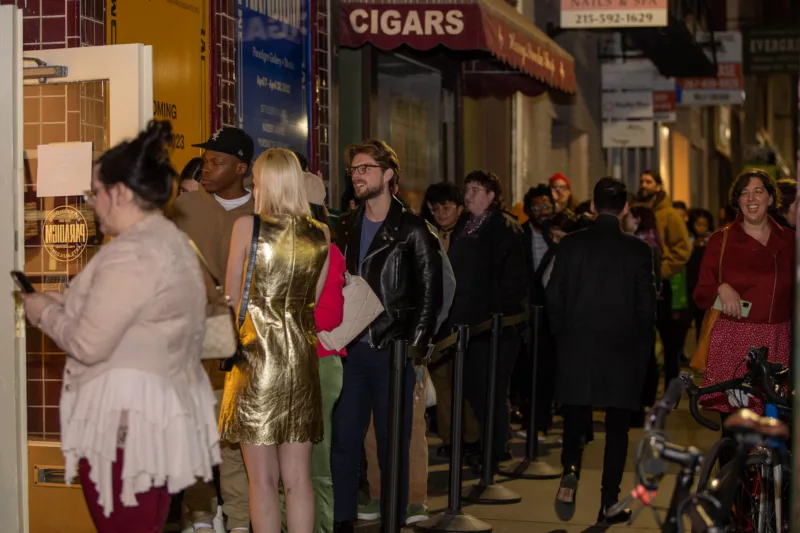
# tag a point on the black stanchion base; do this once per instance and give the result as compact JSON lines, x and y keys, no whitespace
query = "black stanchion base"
{"x":527,"y":469}
{"x":490,"y":495}
{"x":453,"y":522}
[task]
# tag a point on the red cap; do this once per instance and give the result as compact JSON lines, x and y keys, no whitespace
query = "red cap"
{"x":559,"y":176}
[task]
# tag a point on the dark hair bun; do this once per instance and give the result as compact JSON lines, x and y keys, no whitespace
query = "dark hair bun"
{"x":143,"y":165}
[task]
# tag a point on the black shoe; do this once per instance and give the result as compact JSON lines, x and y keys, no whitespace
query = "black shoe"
{"x":619,"y":518}
{"x":343,"y":527}
{"x":567,"y":495}
{"x":444,"y":451}
{"x":471,"y":453}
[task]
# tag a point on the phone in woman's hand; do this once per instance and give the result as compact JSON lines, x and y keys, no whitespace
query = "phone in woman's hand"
{"x":22,"y":282}
{"x":743,"y":306}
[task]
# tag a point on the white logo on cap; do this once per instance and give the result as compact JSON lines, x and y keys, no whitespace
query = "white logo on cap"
{"x":216,"y":134}
{"x":241,"y":153}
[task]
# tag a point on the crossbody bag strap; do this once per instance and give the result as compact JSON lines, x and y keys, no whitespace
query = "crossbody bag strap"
{"x":722,"y":253}
{"x":203,"y":261}
{"x":251,"y":263}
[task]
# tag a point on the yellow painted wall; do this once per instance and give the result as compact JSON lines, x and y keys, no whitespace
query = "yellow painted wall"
{"x":178,"y":32}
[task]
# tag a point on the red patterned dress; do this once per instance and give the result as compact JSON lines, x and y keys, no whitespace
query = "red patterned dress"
{"x":765,"y":277}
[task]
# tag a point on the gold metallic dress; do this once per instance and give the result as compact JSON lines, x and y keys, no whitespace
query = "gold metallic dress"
{"x":272,"y":395}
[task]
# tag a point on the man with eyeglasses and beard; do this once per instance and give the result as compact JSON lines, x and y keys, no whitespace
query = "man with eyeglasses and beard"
{"x":398,"y":255}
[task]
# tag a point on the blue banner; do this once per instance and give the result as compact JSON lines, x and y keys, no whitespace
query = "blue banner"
{"x":272,"y":73}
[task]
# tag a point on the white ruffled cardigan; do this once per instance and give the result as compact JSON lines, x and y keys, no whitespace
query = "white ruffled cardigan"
{"x":132,"y":324}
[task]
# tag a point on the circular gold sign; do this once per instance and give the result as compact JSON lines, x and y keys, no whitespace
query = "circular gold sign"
{"x":64,"y":233}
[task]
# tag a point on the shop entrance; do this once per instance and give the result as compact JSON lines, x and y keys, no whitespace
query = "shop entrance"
{"x":60,"y":109}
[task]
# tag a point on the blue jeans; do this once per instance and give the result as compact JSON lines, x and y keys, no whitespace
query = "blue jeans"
{"x":365,"y":389}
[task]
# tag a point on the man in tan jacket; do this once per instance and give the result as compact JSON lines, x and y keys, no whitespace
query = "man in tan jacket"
{"x":677,"y":251}
{"x":207,"y":217}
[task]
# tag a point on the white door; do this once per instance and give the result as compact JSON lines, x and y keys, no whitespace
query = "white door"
{"x":100,"y":95}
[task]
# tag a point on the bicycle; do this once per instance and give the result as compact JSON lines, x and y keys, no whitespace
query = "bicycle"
{"x":709,"y":509}
{"x":763,"y":485}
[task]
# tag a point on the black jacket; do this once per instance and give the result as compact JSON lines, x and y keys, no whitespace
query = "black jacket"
{"x":403,"y":267}
{"x":490,"y":269}
{"x":601,"y":303}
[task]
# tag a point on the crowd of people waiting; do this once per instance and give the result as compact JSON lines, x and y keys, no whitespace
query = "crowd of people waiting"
{"x":294,"y":418}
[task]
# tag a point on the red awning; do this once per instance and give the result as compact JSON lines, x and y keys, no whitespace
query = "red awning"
{"x":487,"y":25}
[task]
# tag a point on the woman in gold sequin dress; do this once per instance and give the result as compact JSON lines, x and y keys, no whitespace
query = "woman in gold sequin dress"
{"x":272,"y":403}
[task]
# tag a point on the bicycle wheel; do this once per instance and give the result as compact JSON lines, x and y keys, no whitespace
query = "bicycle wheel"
{"x":715,"y":459}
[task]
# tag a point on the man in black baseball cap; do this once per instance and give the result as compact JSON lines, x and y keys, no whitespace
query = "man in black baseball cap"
{"x":228,"y":154}
{"x":207,"y":217}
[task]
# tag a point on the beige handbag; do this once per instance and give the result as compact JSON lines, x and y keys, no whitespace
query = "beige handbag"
{"x":221,"y":340}
{"x":361,"y":307}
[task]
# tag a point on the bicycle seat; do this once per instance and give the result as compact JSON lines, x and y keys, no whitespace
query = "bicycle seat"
{"x":746,"y":421}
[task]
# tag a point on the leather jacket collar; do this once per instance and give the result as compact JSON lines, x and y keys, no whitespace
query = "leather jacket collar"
{"x":384,"y":237}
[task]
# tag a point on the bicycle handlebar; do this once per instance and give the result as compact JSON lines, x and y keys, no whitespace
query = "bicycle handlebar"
{"x":666,"y":404}
{"x":760,"y":372}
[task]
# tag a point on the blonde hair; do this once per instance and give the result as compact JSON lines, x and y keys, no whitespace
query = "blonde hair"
{"x":279,"y":184}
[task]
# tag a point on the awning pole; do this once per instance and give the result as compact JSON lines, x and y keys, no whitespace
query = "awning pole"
{"x":459,"y":122}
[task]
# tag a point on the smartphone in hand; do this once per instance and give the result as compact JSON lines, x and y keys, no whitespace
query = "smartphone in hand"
{"x":744,"y":305}
{"x":22,"y":282}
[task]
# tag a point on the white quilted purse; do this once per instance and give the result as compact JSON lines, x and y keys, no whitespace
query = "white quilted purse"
{"x":221,"y":339}
{"x":361,"y":307}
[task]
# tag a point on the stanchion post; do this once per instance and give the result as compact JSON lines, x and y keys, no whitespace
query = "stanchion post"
{"x":530,"y":467}
{"x":453,"y":519}
{"x":456,"y":420}
{"x":532,"y":442}
{"x":486,"y":491}
{"x":398,"y":354}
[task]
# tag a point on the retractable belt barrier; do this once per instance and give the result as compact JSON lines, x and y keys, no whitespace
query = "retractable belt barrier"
{"x":530,"y":467}
{"x":452,"y":519}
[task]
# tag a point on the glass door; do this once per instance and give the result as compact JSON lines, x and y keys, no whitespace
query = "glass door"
{"x":72,"y":106}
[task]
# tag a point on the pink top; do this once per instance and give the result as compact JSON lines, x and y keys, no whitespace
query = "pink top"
{"x":329,"y":311}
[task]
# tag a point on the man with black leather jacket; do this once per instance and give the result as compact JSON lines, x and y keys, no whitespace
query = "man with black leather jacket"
{"x":398,"y":255}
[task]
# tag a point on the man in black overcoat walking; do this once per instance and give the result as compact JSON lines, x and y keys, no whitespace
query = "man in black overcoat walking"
{"x":602,"y":308}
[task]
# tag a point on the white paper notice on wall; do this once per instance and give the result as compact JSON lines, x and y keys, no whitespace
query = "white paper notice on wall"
{"x":63,"y":169}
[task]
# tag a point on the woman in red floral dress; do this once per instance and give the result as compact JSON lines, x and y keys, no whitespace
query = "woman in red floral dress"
{"x":757,"y":267}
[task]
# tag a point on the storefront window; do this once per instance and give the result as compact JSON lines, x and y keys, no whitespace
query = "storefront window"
{"x":410,"y":119}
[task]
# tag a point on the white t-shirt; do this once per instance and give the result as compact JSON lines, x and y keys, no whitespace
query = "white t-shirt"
{"x":236,"y":202}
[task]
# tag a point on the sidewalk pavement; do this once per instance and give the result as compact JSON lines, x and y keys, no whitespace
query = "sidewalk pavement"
{"x":534,"y":514}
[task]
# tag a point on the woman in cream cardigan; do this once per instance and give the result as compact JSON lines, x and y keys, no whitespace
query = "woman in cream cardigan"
{"x":137,"y":410}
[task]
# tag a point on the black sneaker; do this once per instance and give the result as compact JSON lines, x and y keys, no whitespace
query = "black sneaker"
{"x":567,"y":495}
{"x":343,"y":527}
{"x":619,"y":518}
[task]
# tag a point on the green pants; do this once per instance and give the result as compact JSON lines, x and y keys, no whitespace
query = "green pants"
{"x":330,"y":381}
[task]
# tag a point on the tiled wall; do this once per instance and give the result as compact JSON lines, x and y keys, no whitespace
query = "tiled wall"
{"x":54,"y":113}
{"x":224,"y":36}
{"x":321,"y":119}
{"x":61,"y":23}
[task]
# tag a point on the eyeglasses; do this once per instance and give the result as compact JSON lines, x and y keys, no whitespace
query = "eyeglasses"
{"x":560,"y":188}
{"x":475,"y":189}
{"x":360,"y":169}
{"x":89,"y":196}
